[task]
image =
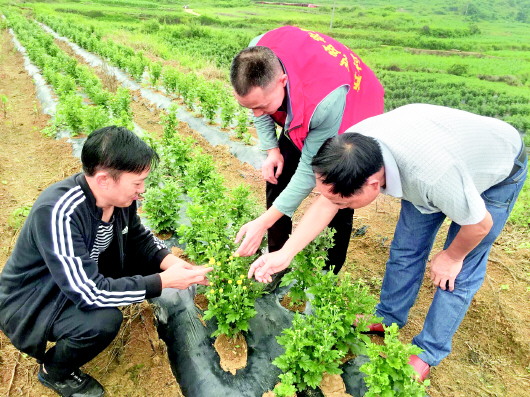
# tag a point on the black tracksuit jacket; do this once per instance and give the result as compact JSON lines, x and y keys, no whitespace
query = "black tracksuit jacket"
{"x":51,"y":263}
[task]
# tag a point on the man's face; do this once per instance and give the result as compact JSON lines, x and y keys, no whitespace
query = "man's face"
{"x":265,"y":100}
{"x":128,"y":187}
{"x":368,"y":193}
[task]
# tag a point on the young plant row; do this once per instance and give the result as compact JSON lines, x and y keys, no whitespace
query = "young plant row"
{"x":319,"y":342}
{"x":502,"y":103}
{"x":212,"y":98}
{"x":65,"y":75}
{"x":186,"y":196}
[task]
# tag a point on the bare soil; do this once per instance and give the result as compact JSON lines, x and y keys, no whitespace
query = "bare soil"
{"x":491,"y":350}
{"x":232,"y":352}
{"x":287,"y":303}
{"x":333,"y":386}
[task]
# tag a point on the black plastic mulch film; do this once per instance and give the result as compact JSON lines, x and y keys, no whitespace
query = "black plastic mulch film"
{"x":195,"y":363}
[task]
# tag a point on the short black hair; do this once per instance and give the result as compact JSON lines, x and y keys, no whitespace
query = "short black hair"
{"x":254,"y":67}
{"x":346,"y":161}
{"x":116,"y":150}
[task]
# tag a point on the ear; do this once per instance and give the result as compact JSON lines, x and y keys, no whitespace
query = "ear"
{"x":283,"y":79}
{"x":373,"y":183}
{"x":102,"y":179}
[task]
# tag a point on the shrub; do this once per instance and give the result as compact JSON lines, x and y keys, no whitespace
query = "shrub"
{"x":458,"y":69}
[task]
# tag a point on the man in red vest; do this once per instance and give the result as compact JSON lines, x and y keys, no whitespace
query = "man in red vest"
{"x":314,"y":88}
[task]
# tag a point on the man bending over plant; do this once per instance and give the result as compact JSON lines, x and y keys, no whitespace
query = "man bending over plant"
{"x":314,"y":88}
{"x":83,"y":252}
{"x":442,"y":163}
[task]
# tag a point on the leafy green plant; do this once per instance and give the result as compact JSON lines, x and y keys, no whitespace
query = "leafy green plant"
{"x":231,"y":294}
{"x":170,"y":78}
{"x":170,"y":122}
{"x":242,"y":123}
{"x":136,"y":66}
{"x":155,"y":70}
{"x":209,"y":99}
{"x":388,"y":372}
{"x":120,"y":103}
{"x":70,"y":114}
{"x":316,"y":343}
{"x":187,"y":88}
{"x":214,"y":216}
{"x":200,"y":170}
{"x":65,"y":85}
{"x":228,"y":110}
{"x":309,"y":353}
{"x":94,"y":118}
{"x":458,"y":69}
{"x":18,"y":217}
{"x":161,"y":205}
{"x":344,"y":302}
{"x":307,"y":265}
{"x":151,"y":26}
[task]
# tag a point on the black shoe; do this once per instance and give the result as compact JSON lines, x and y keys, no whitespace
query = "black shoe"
{"x":276,"y":279}
{"x":77,"y":384}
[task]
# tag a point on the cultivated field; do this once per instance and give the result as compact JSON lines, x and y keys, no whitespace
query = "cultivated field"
{"x":161,"y":68}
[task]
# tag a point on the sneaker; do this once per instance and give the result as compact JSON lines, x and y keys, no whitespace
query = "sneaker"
{"x":77,"y":384}
{"x":421,"y":367}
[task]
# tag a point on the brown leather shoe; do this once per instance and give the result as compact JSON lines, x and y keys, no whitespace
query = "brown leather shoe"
{"x":421,"y":367}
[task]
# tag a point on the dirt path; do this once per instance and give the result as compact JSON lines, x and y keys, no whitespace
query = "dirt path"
{"x":190,"y":11}
{"x":491,"y":349}
{"x":29,"y":162}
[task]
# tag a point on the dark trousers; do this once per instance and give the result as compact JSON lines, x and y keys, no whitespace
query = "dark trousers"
{"x":280,"y":231}
{"x":80,"y":336}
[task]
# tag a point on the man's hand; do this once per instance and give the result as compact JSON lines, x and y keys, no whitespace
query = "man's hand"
{"x":266,"y":265}
{"x":253,"y":232}
{"x":447,"y":264}
{"x":182,"y":274}
{"x":444,"y":270}
{"x":274,"y":161}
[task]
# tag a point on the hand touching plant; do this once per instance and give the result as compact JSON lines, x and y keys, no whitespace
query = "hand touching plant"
{"x":231,"y":295}
{"x":307,"y":266}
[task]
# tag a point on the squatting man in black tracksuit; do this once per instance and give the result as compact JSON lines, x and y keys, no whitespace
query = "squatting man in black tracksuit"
{"x":83,"y":252}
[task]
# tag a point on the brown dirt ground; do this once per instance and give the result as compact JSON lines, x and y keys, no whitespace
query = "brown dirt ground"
{"x":491,"y":351}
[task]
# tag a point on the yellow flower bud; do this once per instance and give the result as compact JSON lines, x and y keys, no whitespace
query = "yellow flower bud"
{"x":230,"y":258}
{"x":212,"y":261}
{"x":212,"y":291}
{"x":242,"y":276}
{"x":239,"y":282}
{"x":221,"y":290}
{"x":244,"y":287}
{"x":218,"y":263}
{"x":229,"y":281}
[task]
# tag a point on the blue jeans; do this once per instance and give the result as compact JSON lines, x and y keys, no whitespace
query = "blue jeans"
{"x":413,"y":239}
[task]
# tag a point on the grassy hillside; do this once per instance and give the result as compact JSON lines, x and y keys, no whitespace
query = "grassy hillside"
{"x":473,"y":55}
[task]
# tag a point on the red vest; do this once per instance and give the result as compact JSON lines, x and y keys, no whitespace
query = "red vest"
{"x":316,"y":65}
